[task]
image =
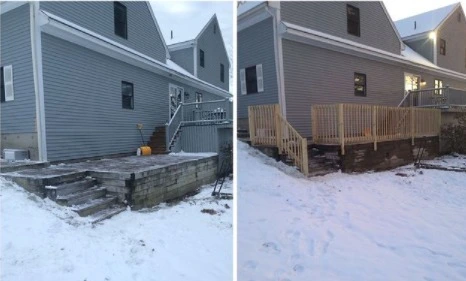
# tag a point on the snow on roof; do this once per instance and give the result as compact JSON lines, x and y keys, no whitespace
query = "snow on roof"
{"x":245,"y":6}
{"x":172,"y":65}
{"x":424,"y":22}
{"x":413,"y":56}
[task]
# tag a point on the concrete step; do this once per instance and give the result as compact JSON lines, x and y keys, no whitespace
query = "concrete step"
{"x":82,"y":196}
{"x":73,"y":187}
{"x":95,"y":205}
{"x":107,"y":213}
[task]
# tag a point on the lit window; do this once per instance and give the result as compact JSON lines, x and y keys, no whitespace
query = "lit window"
{"x":360,"y":84}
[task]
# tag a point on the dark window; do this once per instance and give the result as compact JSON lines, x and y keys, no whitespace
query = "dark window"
{"x":127,"y":95}
{"x":201,"y":58}
{"x":120,"y":20}
{"x":215,"y":28}
{"x":222,"y":73}
{"x":443,"y":47}
{"x":3,"y":85}
{"x":251,"y":80}
{"x":459,"y":17}
{"x":198,"y":99}
{"x":353,"y":21}
{"x":360,"y":84}
{"x":464,"y":57}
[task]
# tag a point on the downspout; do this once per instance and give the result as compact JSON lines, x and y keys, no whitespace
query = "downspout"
{"x":36,"y":48}
{"x":195,"y":57}
{"x":276,"y":16}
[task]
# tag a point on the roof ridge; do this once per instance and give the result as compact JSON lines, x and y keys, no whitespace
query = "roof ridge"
{"x":430,"y":11}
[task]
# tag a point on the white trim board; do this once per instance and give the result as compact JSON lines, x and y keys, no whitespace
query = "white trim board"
{"x":298,"y":33}
{"x":71,"y":32}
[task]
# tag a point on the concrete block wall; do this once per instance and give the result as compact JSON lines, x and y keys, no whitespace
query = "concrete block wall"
{"x":389,"y":154}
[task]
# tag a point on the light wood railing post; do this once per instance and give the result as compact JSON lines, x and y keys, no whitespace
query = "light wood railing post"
{"x":341,"y":128}
{"x":252,"y":131}
{"x":374,"y":126}
{"x":305,"y":157}
{"x":412,"y":126}
{"x":278,"y":128}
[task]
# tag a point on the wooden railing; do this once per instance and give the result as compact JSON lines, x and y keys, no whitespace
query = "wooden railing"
{"x":435,"y":97}
{"x":355,"y":123}
{"x":268,"y":127}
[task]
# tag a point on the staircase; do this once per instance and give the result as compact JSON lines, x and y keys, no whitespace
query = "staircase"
{"x":157,"y":141}
{"x":85,"y":196}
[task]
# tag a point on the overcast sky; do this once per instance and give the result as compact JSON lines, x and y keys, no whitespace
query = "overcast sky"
{"x":400,"y":10}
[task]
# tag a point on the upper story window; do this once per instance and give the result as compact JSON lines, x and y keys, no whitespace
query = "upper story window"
{"x":252,"y":80}
{"x":201,"y":58}
{"x":7,"y":93}
{"x":459,"y":17}
{"x":120,"y":20}
{"x":215,"y":28}
{"x":360,"y":84}
{"x":127,"y":95}
{"x":222,"y":73}
{"x":353,"y":20}
{"x":443,"y":47}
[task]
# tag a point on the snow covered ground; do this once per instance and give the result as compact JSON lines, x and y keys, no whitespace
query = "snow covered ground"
{"x":43,"y":241}
{"x":371,"y":226}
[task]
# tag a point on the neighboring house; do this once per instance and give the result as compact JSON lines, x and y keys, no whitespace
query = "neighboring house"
{"x":438,"y":35}
{"x":205,"y":56}
{"x":299,"y":54}
{"x":77,"y":78}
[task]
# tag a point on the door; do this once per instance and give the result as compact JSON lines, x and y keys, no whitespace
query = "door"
{"x":412,"y":83}
{"x":175,"y":97}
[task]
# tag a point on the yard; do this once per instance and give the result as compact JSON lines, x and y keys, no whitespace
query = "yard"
{"x":187,"y":240}
{"x":403,"y":224}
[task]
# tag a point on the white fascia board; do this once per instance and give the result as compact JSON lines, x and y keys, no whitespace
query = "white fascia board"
{"x":71,"y":32}
{"x":306,"y":35}
{"x":158,"y":29}
{"x":181,"y":45}
{"x":7,"y":6}
{"x":253,"y":17}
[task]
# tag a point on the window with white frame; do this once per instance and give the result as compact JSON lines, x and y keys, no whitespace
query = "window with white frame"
{"x":198,"y":99}
{"x":252,"y":80}
{"x":7,"y":93}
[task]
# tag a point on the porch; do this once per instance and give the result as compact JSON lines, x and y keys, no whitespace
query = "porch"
{"x":445,"y":98}
{"x":335,"y":127}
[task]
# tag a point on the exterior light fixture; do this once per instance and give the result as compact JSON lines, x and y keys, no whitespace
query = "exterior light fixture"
{"x":432,"y":35}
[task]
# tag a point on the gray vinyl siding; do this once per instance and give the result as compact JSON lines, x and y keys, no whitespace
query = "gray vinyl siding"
{"x":256,"y":46}
{"x":184,"y":58}
{"x":203,"y":138}
{"x":454,"y":33}
{"x":98,"y":17}
{"x":214,"y":55}
{"x":424,"y":47}
{"x":18,"y":116}
{"x":330,"y":17}
{"x":84,"y":114}
{"x":319,"y":76}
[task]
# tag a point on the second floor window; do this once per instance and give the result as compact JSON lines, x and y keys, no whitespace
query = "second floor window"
{"x":120,"y":20}
{"x":353,"y":20}
{"x":443,"y":47}
{"x":222,"y":73}
{"x":360,"y":84}
{"x":201,"y":58}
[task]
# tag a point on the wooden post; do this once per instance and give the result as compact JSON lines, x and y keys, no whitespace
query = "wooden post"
{"x":278,"y":129}
{"x":305,"y":157}
{"x":252,"y":132}
{"x":374,"y":125}
{"x":341,"y":128}
{"x":412,"y":125}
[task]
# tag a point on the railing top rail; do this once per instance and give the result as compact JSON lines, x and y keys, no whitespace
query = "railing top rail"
{"x":206,"y":102}
{"x":174,"y":115}
{"x":430,"y":89}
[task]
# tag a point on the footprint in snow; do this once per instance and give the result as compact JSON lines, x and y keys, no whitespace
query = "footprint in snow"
{"x":271,"y":247}
{"x":250,"y":264}
{"x":298,"y":268}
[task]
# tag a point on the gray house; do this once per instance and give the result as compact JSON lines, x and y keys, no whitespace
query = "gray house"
{"x":77,"y":78}
{"x":205,"y":56}
{"x":299,"y":54}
